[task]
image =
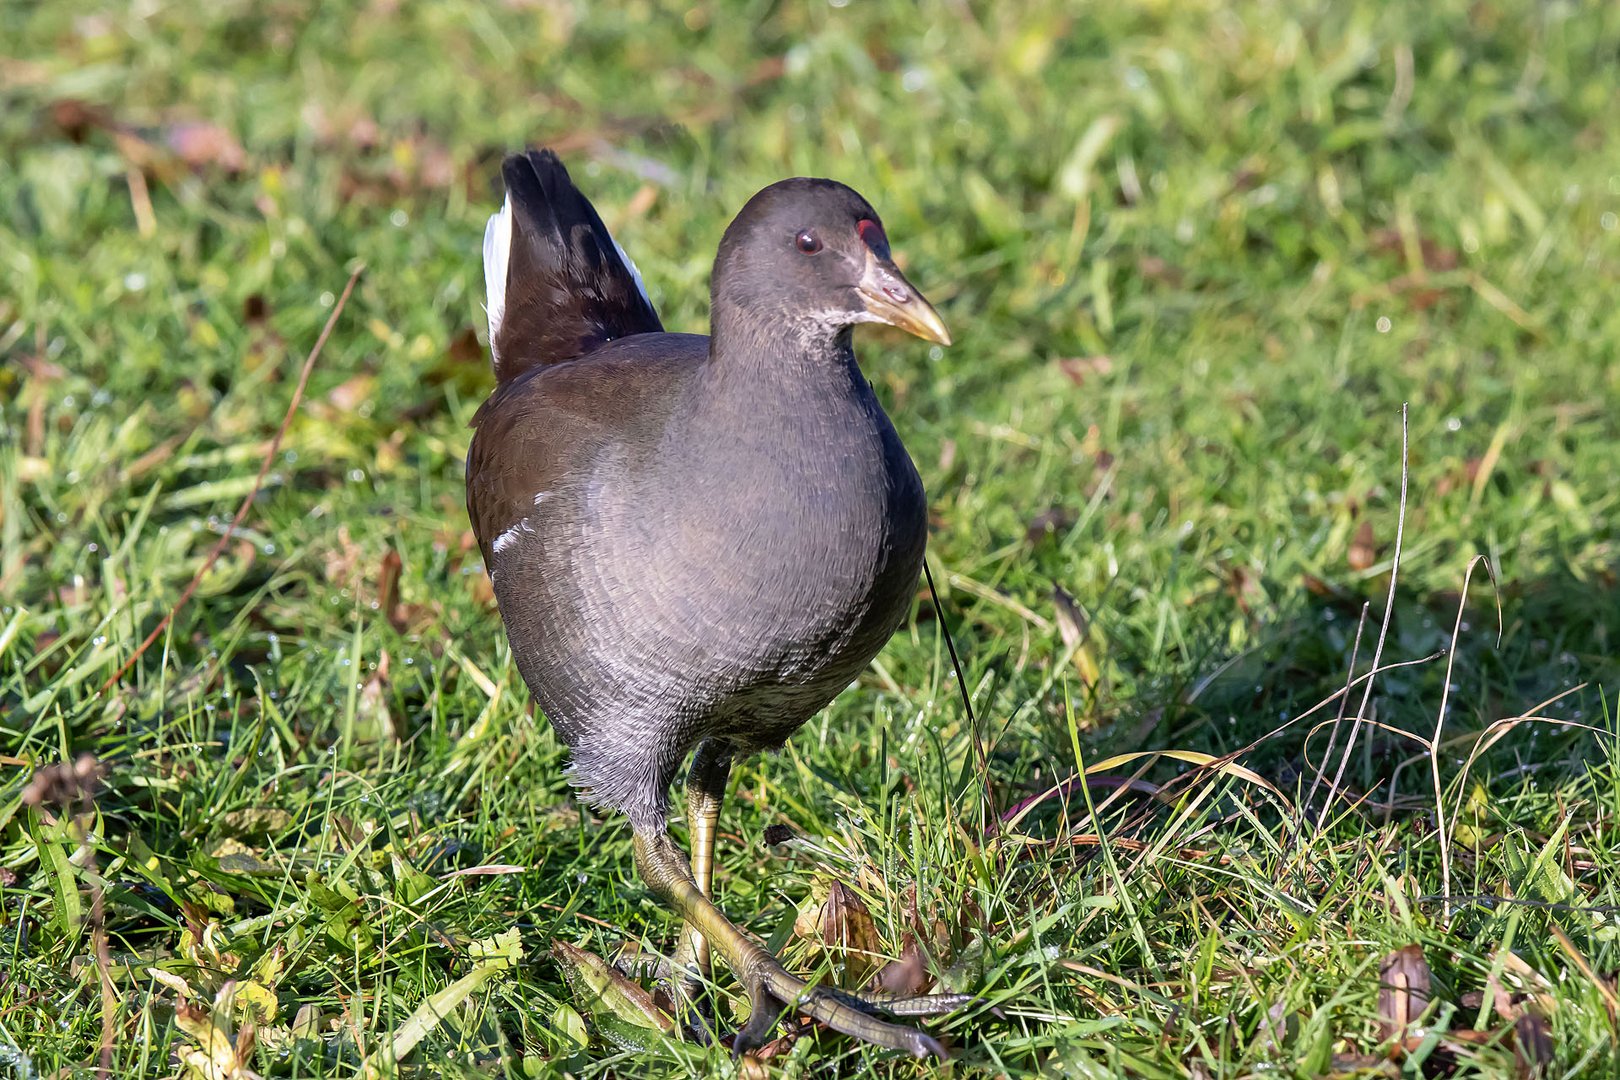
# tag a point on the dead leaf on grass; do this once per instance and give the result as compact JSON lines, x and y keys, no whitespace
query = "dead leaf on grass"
{"x":1363,"y":549}
{"x":906,"y":975}
{"x":220,"y":1053}
{"x":1403,"y":990}
{"x":604,"y":993}
{"x":1075,"y":630}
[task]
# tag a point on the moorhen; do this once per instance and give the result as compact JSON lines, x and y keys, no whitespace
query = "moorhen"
{"x":696,"y":542}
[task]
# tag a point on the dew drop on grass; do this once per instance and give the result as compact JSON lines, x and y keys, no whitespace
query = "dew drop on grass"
{"x":399,"y":219}
{"x":1384,"y":324}
{"x":269,"y":549}
{"x":1454,"y":423}
{"x":92,"y":548}
{"x":1609,"y":221}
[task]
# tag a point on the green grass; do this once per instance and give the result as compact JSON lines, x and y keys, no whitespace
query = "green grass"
{"x":1195,"y":261}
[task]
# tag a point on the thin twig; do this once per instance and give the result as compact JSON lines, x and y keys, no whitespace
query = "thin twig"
{"x":1383,"y":629}
{"x":981,"y":757}
{"x":1333,"y":736}
{"x":253,"y":493}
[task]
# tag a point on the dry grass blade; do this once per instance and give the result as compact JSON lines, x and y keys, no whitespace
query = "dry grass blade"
{"x":1605,"y":991}
{"x":1440,"y":723}
{"x":1221,"y":765}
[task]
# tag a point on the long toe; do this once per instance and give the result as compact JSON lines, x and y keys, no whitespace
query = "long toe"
{"x":916,"y":1005}
{"x":849,"y":1015}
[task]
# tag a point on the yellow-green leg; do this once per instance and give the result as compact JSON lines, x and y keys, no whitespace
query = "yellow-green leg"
{"x":691,"y":967}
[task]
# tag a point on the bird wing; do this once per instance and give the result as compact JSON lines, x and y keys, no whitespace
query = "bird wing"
{"x":543,"y":432}
{"x":558,"y":285}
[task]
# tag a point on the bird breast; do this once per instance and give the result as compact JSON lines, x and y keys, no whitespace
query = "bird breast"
{"x":791,"y":569}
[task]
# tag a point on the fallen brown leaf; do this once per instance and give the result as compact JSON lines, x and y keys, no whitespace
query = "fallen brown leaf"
{"x":1403,"y":990}
{"x":907,"y":974}
{"x":1532,"y":1045}
{"x":842,"y":926}
{"x":1363,"y":549}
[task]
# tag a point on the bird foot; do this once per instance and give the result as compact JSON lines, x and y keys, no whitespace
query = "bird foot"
{"x":686,"y":993}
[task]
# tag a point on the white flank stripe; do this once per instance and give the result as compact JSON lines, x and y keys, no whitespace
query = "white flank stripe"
{"x":510,"y":536}
{"x":497,"y":256}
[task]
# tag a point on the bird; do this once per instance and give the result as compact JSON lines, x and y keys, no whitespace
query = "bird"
{"x":695,"y":541}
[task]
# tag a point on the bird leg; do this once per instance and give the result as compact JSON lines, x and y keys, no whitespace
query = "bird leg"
{"x":770,"y":987}
{"x":691,"y":966}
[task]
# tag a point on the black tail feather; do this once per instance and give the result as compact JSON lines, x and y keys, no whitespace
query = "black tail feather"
{"x":565,"y":287}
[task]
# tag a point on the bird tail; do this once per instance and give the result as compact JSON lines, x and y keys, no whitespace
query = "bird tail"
{"x":558,"y":284}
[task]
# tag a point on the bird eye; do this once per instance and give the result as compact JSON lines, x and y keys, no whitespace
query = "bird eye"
{"x":807,"y":242}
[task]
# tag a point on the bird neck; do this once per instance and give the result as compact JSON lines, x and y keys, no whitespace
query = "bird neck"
{"x":766,"y":360}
